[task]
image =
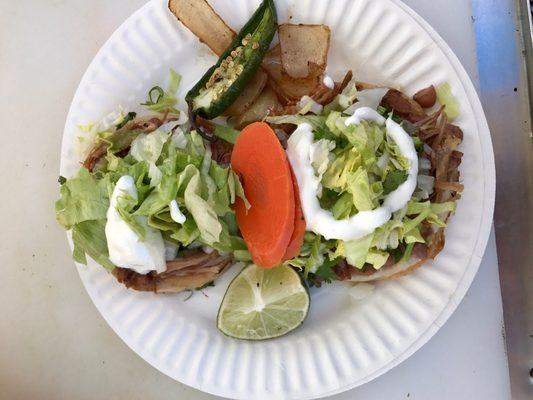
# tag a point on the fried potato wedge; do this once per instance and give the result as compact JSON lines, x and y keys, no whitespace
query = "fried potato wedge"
{"x":301,"y":46}
{"x":272,"y":65}
{"x":260,"y":108}
{"x":200,"y":18}
{"x":287,"y":87}
{"x":251,"y":92}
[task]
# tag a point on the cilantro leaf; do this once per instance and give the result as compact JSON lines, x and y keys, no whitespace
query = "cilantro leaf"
{"x":326,"y":271}
{"x":129,"y":117}
{"x":393,"y":180}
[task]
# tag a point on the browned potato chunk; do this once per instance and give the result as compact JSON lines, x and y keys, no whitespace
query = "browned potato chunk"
{"x":302,"y":45}
{"x":204,"y":22}
{"x":287,"y":87}
{"x":253,"y":89}
{"x":260,"y":108}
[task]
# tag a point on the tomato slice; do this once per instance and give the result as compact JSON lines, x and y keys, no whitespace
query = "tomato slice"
{"x":260,"y":161}
{"x":297,"y":238}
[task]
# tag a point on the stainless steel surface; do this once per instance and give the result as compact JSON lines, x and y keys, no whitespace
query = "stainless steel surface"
{"x":502,"y":31}
{"x":526,"y":18}
{"x":528,"y":9}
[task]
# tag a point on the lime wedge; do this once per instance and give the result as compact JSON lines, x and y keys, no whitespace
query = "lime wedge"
{"x":263,"y":303}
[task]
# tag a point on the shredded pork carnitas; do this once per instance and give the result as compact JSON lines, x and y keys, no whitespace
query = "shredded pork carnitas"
{"x":194,"y":268}
{"x":441,"y":141}
{"x":138,"y":125}
{"x":290,"y":70}
{"x":191,"y":270}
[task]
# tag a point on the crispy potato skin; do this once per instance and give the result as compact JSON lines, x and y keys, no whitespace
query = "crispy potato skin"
{"x":210,"y":28}
{"x":303,"y":45}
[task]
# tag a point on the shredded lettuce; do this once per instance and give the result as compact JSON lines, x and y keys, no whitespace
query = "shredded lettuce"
{"x":313,"y":254}
{"x":82,"y":198}
{"x":89,"y":239}
{"x":308,"y":105}
{"x":321,"y":157}
{"x":425,"y":186}
{"x":316,"y":257}
{"x":356,"y":251}
{"x":148,"y":146}
{"x":155,"y":174}
{"x":393,"y":180}
{"x":88,"y":133}
{"x":363,"y":196}
{"x":316,"y":121}
{"x":167,"y":168}
{"x":204,"y":215}
{"x":179,"y":139}
{"x":187,"y":233}
{"x":337,"y":175}
{"x":367,"y":98}
{"x":125,"y":204}
{"x":377,"y":258}
{"x":343,"y":206}
{"x":344,"y":99}
{"x":164,"y":101}
{"x":235,"y":182}
{"x":358,"y":166}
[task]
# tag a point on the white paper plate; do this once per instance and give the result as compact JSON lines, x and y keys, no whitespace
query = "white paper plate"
{"x":343,"y":343}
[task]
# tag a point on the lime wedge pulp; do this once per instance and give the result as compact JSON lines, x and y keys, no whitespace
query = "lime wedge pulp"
{"x":263,"y":303}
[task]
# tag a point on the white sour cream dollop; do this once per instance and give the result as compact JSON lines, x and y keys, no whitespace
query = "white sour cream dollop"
{"x":363,"y":223}
{"x":328,"y":82}
{"x":126,"y":249}
{"x":176,"y":214}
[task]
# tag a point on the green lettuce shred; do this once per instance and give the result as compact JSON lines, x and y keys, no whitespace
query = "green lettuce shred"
{"x":184,"y":171}
{"x":358,"y":166}
{"x":89,"y":239}
{"x":83,"y":198}
{"x":203,"y":213}
{"x":163,"y":101}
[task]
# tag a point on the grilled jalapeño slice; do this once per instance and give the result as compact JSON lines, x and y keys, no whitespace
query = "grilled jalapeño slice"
{"x":223,"y":82}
